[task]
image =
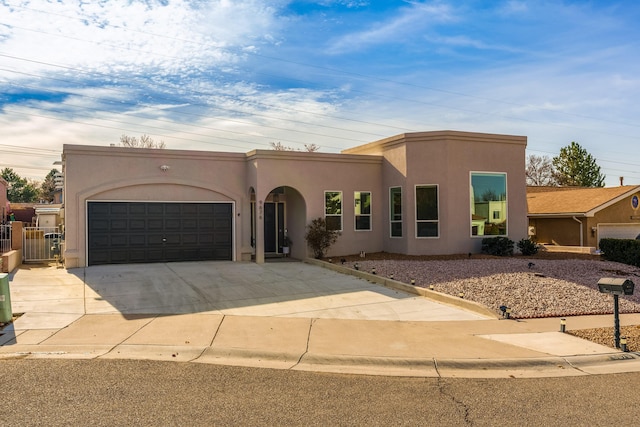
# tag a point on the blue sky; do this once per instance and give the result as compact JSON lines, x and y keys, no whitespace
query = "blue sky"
{"x":236,"y":75}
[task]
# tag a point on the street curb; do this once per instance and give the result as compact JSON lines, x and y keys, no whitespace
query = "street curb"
{"x":544,"y":367}
{"x":410,"y":289}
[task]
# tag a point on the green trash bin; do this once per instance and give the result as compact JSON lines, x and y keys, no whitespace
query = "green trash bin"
{"x":5,"y":299}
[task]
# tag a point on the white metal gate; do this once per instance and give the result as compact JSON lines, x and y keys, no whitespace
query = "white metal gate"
{"x":41,"y":244}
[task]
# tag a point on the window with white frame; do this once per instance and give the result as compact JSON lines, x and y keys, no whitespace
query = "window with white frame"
{"x":427,"y":218}
{"x":333,"y":210}
{"x":395,"y":211}
{"x":362,"y":210}
{"x":488,"y":204}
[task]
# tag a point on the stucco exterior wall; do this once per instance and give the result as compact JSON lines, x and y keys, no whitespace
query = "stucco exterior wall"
{"x":445,"y":159}
{"x":557,"y":231}
{"x":310,"y":175}
{"x":620,"y":212}
{"x":448,"y":160}
{"x":128,"y":174}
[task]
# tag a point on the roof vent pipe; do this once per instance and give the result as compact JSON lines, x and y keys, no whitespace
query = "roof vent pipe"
{"x":621,"y":181}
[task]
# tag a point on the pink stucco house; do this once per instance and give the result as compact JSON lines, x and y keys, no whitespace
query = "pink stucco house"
{"x":416,"y":193}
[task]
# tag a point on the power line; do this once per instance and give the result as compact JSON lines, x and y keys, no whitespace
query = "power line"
{"x":304,"y":64}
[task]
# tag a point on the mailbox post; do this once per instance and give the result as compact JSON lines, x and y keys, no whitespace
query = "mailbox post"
{"x":616,"y":287}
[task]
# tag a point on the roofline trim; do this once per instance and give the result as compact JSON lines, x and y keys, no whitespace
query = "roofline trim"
{"x":613,"y":201}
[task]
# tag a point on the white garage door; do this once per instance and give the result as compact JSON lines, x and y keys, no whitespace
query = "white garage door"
{"x":618,"y":231}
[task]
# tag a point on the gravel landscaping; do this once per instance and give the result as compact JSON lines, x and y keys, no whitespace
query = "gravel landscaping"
{"x":546,"y":285}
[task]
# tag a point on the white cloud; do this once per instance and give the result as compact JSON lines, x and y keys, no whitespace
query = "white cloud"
{"x":133,"y":36}
{"x":408,"y":21}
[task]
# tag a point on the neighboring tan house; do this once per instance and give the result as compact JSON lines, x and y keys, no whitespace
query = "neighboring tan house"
{"x":569,"y":216}
{"x":25,"y":213}
{"x":48,"y":216}
{"x":416,"y":193}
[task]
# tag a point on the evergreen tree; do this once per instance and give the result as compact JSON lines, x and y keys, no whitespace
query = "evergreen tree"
{"x":575,"y":167}
{"x":48,"y":187}
{"x":20,"y":190}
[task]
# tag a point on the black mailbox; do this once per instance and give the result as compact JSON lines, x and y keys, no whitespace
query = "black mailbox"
{"x":608,"y":285}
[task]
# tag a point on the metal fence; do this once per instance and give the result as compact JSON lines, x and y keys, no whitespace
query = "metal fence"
{"x":5,"y":238}
{"x":41,"y":244}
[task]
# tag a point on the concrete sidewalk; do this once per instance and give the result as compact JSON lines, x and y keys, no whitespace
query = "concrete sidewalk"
{"x":289,"y":315}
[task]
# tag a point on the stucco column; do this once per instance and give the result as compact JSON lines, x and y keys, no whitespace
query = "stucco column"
{"x":260,"y":230}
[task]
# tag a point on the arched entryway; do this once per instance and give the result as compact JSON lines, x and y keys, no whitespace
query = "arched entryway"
{"x":282,"y":217}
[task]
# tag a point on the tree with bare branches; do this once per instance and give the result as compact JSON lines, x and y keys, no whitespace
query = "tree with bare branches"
{"x":279,"y":146}
{"x":145,"y":141}
{"x":540,"y":171}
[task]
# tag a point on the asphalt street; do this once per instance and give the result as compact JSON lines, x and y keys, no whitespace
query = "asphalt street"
{"x":57,"y":392}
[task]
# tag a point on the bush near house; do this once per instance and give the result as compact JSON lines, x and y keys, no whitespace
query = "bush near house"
{"x":319,"y":238}
{"x":497,"y":246}
{"x":626,"y":251}
{"x":527,"y":247}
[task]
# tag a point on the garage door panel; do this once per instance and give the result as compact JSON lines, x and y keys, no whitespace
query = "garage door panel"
{"x":154,"y":224}
{"x":156,"y":255}
{"x":189,"y":209}
{"x":130,"y":232}
{"x":118,"y":209}
{"x":137,"y":224}
{"x":100,"y":257}
{"x":119,"y":225}
{"x":172,"y":225}
{"x":172,"y":239}
{"x":119,"y":241}
{"x":118,"y":256}
{"x":206,"y":224}
{"x":206,"y":209}
{"x":102,"y":209}
{"x":155,"y":240}
{"x":618,"y":231}
{"x":155,"y":208}
{"x":137,"y":255}
{"x":190,"y":239}
{"x":137,"y":240}
{"x":189,"y":224}
{"x":99,"y":225}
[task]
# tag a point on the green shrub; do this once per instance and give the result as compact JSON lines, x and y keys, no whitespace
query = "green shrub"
{"x":626,"y":251}
{"x":498,"y":246}
{"x":319,"y":238}
{"x":527,"y":247}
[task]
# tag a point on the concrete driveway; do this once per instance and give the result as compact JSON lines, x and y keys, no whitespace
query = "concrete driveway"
{"x":282,"y":289}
